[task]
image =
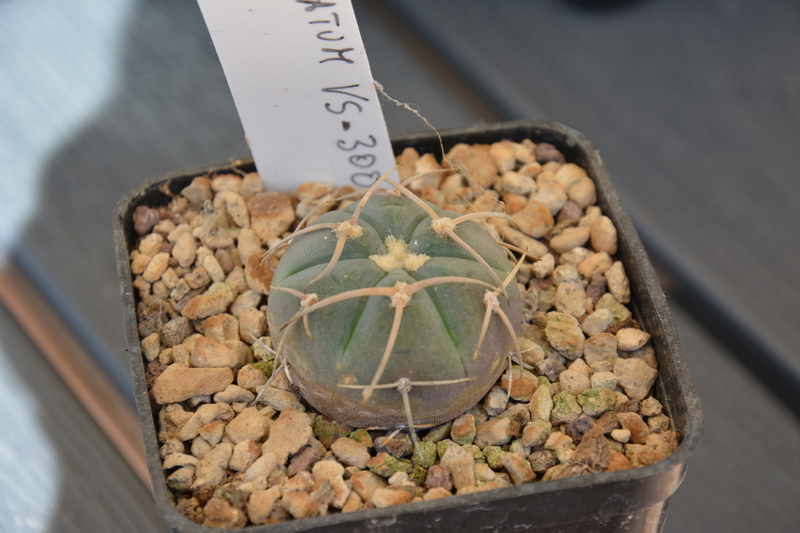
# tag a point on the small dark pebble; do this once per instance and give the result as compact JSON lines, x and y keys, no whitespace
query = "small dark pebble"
{"x":153,"y":370}
{"x":627,"y":323}
{"x":596,"y":288}
{"x":191,"y":509}
{"x":175,"y":331}
{"x":304,"y":460}
{"x":547,"y":152}
{"x":203,"y":494}
{"x":197,"y":278}
{"x":577,"y":428}
{"x":144,"y":218}
{"x":328,"y":430}
{"x":438,"y":476}
{"x":631,"y":406}
{"x":570,"y":212}
{"x":398,"y":446}
{"x":550,"y":368}
{"x":542,"y":460}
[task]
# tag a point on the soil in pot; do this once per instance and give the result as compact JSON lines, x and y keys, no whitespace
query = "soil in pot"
{"x":576,"y":401}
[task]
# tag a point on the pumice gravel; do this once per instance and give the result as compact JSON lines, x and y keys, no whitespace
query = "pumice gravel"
{"x":571,"y":392}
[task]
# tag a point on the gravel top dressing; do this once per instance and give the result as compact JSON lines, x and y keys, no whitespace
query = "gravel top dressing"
{"x":573,"y":399}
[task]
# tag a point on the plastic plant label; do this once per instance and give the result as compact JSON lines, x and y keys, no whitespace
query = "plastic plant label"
{"x":302,"y":85}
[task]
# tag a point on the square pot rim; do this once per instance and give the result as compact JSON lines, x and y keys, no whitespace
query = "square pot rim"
{"x":671,"y":469}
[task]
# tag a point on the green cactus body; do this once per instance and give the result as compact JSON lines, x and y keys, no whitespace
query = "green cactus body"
{"x":440,"y":325}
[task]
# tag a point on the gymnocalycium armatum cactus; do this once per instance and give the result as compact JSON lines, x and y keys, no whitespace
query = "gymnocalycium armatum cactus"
{"x":393,"y":312}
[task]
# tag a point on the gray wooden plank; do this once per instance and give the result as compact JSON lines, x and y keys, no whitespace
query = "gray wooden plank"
{"x":58,"y":472}
{"x":745,"y":474}
{"x":695,"y":108}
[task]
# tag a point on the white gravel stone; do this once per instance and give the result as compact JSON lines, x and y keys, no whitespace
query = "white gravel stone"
{"x":251,"y":378}
{"x":350,"y":452}
{"x":569,"y":174}
{"x":151,"y":346}
{"x":571,"y":299}
{"x":460,"y":464}
{"x":573,"y":381}
{"x":604,"y":380}
{"x":150,"y":245}
{"x":597,"y":263}
{"x":600,"y":347}
{"x":597,"y":322}
{"x":575,"y":257}
{"x":208,"y":353}
{"x":235,"y":206}
{"x":517,"y":183}
{"x":156,"y":267}
{"x":566,"y":274}
{"x":215,"y":271}
{"x":325,"y":470}
{"x":252,"y":324}
{"x":552,"y":195}
{"x":583,"y":193}
{"x":248,"y":243}
{"x":235,"y":394}
{"x":203,"y":415}
{"x":249,"y":424}
{"x":603,"y":235}
{"x":211,"y":468}
{"x":621,"y":435}
{"x":288,"y":434}
{"x":569,"y":238}
{"x":185,"y":250}
{"x":261,"y":467}
{"x":630,"y":339}
{"x":179,"y":459}
{"x":635,"y":377}
{"x":618,"y":283}
{"x":249,"y":299}
{"x":244,"y":454}
{"x":544,"y":266}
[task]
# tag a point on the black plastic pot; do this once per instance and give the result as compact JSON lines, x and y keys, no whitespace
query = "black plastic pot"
{"x":631,"y":500}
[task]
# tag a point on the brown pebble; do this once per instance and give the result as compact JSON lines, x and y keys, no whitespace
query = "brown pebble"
{"x":438,"y":477}
{"x":459,"y":463}
{"x":288,"y":433}
{"x":534,"y":219}
{"x":220,"y":514}
{"x":144,"y":218}
{"x":516,"y":465}
{"x":213,"y":302}
{"x":303,"y":461}
{"x":476,"y":160}
{"x":366,"y":482}
{"x":258,"y":274}
{"x":178,"y":383}
{"x":545,"y":152}
{"x":386,"y":497}
{"x":618,"y":461}
{"x":596,"y":288}
{"x":300,"y":504}
{"x":634,"y":423}
{"x":271,"y":213}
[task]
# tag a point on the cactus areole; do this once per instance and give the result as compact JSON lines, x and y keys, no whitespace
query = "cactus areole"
{"x":392,"y":308}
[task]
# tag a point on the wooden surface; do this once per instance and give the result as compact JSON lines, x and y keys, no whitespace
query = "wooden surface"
{"x":693,"y":105}
{"x":58,"y":472}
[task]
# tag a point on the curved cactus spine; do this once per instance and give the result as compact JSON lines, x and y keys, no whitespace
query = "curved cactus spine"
{"x":379,"y":253}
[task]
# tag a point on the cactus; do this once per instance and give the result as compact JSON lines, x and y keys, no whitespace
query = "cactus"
{"x":393,"y":312}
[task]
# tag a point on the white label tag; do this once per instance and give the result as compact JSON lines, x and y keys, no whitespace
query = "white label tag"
{"x":301,"y":82}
